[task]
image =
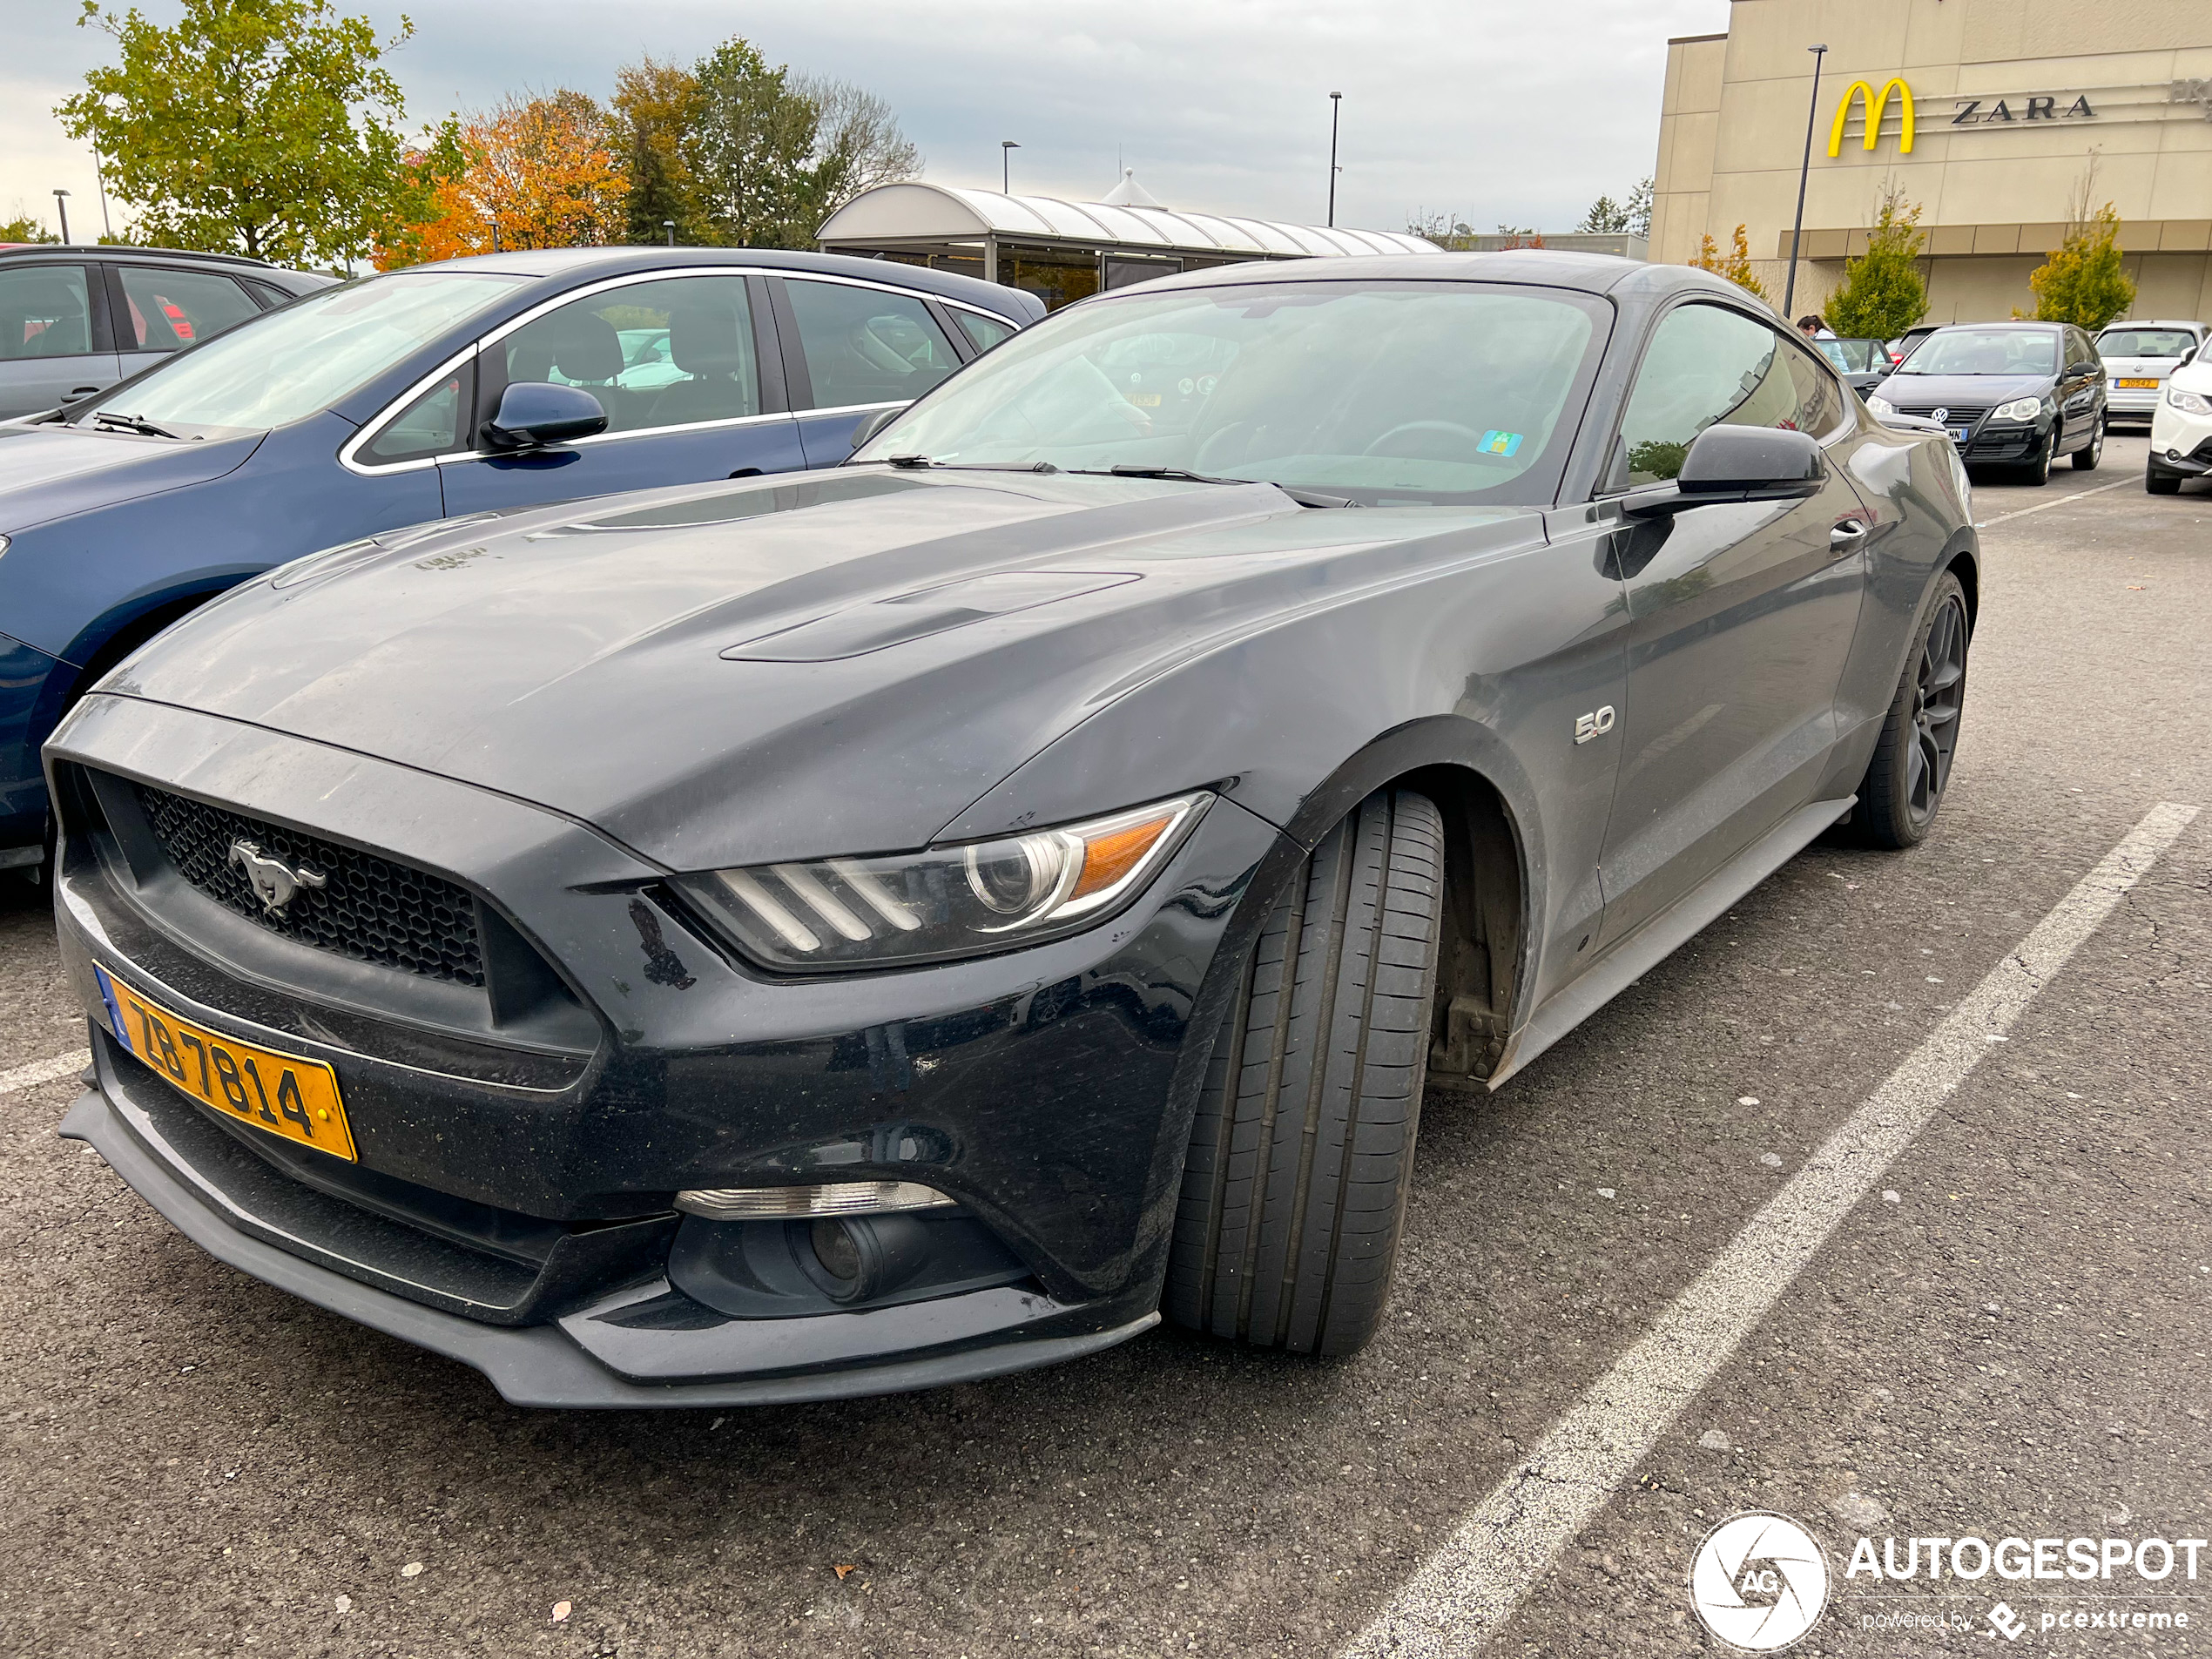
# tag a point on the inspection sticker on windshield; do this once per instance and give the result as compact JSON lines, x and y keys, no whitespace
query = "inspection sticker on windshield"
{"x":1500,"y":444}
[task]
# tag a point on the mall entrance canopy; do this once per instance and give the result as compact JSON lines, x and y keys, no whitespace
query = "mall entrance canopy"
{"x":1062,"y":251}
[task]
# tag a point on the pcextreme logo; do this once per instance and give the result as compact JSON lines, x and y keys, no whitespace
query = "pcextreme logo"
{"x":1876,"y":104}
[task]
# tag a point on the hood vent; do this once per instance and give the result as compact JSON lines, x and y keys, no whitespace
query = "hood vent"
{"x":860,"y":628}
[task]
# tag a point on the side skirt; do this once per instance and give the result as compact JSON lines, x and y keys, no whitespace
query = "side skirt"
{"x":1660,"y":937}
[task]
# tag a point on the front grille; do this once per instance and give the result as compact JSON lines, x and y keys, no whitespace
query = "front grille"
{"x":1961,"y":414}
{"x":368,"y":908}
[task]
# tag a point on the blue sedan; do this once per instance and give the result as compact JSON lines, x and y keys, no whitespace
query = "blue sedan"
{"x":471,"y":387}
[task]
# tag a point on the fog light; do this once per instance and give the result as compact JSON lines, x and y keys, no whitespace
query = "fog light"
{"x":837,"y":1250}
{"x":831,"y":1199}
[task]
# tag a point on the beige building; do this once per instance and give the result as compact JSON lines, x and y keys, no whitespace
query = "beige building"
{"x":1986,"y":113}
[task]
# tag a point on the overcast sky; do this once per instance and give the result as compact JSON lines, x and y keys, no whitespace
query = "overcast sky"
{"x":1498,"y":113}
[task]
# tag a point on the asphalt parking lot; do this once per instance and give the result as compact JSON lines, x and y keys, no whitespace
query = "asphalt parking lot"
{"x":2008,"y":1336}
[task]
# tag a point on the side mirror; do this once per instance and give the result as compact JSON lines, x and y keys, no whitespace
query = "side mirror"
{"x":533,"y":414}
{"x":1737,"y":463}
{"x":875,"y":424}
{"x":2189,"y":357}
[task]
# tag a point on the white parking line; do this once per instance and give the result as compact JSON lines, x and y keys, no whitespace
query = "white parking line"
{"x":43,"y":1071}
{"x":2044,"y":506}
{"x":1472,"y":1585}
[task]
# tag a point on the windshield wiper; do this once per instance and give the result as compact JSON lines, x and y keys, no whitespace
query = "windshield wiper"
{"x":1183,"y":476}
{"x":913,"y":463}
{"x":131,"y":423}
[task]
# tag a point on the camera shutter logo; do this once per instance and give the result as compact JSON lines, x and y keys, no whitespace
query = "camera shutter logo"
{"x":1759,"y":1582}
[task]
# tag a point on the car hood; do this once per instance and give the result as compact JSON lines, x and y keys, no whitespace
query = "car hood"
{"x":826,"y":663}
{"x":50,"y":472}
{"x":1970,"y":391}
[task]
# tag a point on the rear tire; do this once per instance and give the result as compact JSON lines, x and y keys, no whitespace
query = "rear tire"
{"x":1906,"y":781}
{"x":1302,"y":1151}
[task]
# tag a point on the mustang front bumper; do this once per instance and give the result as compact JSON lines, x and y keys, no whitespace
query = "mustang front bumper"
{"x":512,"y":1206}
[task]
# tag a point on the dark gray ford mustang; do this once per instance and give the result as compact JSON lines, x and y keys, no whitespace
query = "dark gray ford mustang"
{"x":840,"y":934}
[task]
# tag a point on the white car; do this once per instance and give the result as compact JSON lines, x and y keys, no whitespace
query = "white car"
{"x":2180,"y":428}
{"x":2138,"y":356}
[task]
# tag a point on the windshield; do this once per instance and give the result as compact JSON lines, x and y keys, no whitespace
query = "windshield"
{"x":1985,"y":351}
{"x":1854,"y":356}
{"x":294,"y":362}
{"x":1398,"y":393}
{"x":2144,"y":343}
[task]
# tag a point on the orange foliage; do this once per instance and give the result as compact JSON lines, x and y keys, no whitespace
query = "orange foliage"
{"x":547,"y":171}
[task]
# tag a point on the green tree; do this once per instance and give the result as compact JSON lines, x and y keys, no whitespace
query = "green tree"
{"x":1638,"y":209}
{"x":24,"y":228}
{"x":2081,"y":281}
{"x":750,"y":145}
{"x":263,"y":127}
{"x":1882,"y":293}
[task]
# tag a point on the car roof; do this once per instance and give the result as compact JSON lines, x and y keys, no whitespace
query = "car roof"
{"x":2028,"y":325}
{"x":1540,"y":267}
{"x":551,"y":262}
{"x":2151,"y":322}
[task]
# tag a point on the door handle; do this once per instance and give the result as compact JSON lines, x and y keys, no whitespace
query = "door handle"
{"x":82,"y":391}
{"x":1848,"y":537}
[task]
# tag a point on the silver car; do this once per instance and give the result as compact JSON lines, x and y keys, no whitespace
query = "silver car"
{"x":2138,"y":356}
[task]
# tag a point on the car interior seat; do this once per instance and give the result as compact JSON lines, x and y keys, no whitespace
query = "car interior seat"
{"x":68,"y":326}
{"x":583,"y":348}
{"x":713,"y":344}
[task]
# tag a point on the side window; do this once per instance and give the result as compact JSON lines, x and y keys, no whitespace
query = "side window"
{"x":983,"y":332}
{"x":44,"y":312}
{"x":865,"y":344}
{"x":1705,"y":366}
{"x":436,"y":423}
{"x":668,"y":353}
{"x":169,"y":309}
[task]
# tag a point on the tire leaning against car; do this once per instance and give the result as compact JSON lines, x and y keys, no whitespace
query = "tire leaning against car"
{"x":1302,"y":1150}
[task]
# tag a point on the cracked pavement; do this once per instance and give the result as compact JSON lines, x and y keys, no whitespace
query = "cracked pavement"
{"x":2009,"y":1335}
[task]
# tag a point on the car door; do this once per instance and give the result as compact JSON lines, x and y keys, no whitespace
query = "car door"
{"x":2081,"y":397}
{"x":678,"y":363}
{"x":162,"y":308}
{"x":1741,"y":613}
{"x":55,"y":341}
{"x":861,"y":349}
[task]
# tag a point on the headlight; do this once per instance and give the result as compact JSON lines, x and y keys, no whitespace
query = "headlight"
{"x":947,"y":901}
{"x":2187,"y":402}
{"x":2021,"y":408}
{"x":1881,"y":406}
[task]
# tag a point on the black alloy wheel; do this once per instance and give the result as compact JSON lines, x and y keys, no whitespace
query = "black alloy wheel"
{"x":1302,"y":1150}
{"x":1911,"y":769}
{"x":2085,"y":458}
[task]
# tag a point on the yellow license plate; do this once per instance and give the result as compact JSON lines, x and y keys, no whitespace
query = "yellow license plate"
{"x":282,"y":1094}
{"x":2136,"y":385}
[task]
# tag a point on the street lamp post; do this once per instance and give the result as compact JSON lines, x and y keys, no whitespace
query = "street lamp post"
{"x":669,"y":225}
{"x":61,"y":205}
{"x":1006,"y":147}
{"x":1336,"y":108}
{"x":1804,"y":170}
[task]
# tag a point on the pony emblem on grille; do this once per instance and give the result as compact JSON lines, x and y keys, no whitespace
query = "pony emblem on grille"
{"x":275,"y":883}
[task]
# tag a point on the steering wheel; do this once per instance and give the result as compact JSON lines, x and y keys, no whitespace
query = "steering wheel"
{"x":1452,"y":428}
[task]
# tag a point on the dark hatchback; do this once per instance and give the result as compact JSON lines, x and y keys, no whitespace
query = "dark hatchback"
{"x":435,"y":393}
{"x":824,"y":936}
{"x":2014,"y":396}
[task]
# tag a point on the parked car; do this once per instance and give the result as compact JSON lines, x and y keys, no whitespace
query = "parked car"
{"x":74,"y":321}
{"x":2014,"y":396}
{"x":422,"y":395}
{"x":783,"y":938}
{"x":2138,"y":356}
{"x":1908,"y":342}
{"x":2180,"y":432}
{"x":1865,"y":364}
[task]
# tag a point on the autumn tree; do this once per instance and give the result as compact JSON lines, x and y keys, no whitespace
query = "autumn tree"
{"x":656,"y":110}
{"x":2081,"y":281}
{"x":1882,"y":293}
{"x":1735,"y":266}
{"x":542,"y":171}
{"x":24,"y":228}
{"x":263,"y":127}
